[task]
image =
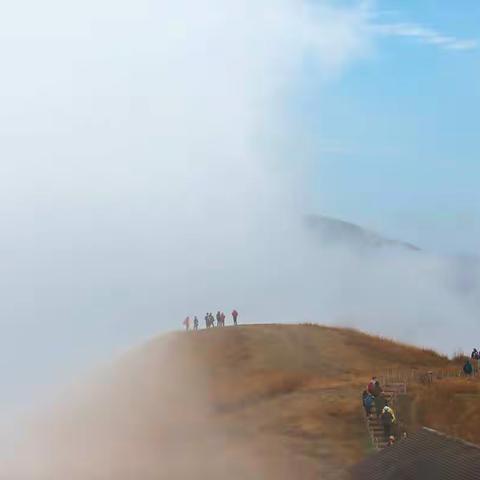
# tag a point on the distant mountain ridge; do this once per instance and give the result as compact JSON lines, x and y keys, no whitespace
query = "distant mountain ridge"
{"x":334,"y":231}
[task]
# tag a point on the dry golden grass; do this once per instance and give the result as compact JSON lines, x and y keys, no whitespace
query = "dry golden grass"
{"x":260,"y":401}
{"x":302,"y":382}
{"x":451,"y":405}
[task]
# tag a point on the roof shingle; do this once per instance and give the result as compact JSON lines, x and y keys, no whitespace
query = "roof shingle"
{"x":426,"y":455}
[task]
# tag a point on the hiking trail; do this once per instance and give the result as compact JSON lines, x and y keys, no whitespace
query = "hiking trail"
{"x":374,"y":424}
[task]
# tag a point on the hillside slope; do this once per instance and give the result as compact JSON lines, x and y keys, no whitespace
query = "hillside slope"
{"x":333,"y":231}
{"x":260,"y":401}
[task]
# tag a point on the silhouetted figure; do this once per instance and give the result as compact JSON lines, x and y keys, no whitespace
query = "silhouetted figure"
{"x":234,"y":316}
{"x":218,"y":317}
{"x":380,"y":404}
{"x":186,"y":324}
{"x":207,"y":320}
{"x":222,"y":319}
{"x":195,"y":323}
{"x":377,"y":389}
{"x":467,"y":368}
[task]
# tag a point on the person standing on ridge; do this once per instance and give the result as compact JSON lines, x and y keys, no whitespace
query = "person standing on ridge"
{"x":234,"y":316}
{"x":218,"y":317}
{"x":467,"y":368}
{"x":195,"y":323}
{"x":186,"y":324}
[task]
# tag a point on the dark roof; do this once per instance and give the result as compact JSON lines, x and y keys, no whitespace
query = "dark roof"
{"x":426,"y":455}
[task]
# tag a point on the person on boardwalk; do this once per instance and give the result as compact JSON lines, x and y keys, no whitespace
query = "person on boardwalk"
{"x":467,"y":368}
{"x":390,"y":411}
{"x":377,"y":389}
{"x":371,"y":385}
{"x":195,"y":323}
{"x":186,"y":324}
{"x":387,"y":419}
{"x":368,"y":400}
{"x":234,"y":316}
{"x":380,"y":404}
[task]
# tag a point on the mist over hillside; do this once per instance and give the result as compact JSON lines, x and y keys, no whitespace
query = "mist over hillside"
{"x":332,"y":231}
{"x":463,"y":270}
{"x":147,"y":175}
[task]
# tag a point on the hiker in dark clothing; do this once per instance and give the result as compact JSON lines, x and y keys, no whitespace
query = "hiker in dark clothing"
{"x":467,"y":368}
{"x":234,"y":316}
{"x":195,"y":323}
{"x":474,"y":355}
{"x":207,"y":320}
{"x":368,"y":401}
{"x":380,"y":404}
{"x":218,"y":316}
{"x":377,"y":389}
{"x":387,"y":422}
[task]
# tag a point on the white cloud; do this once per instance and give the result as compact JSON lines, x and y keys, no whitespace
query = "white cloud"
{"x":425,"y":35}
{"x":139,"y":178}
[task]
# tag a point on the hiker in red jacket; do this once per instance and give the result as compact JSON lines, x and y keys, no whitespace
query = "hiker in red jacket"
{"x":235,"y":316}
{"x":371,"y":385}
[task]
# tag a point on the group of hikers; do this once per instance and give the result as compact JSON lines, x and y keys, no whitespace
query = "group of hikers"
{"x":210,"y":320}
{"x":373,"y":397}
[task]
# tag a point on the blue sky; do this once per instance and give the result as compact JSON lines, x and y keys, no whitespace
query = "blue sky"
{"x":398,"y":130}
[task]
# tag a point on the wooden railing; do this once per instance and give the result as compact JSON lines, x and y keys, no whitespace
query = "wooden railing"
{"x":393,"y":375}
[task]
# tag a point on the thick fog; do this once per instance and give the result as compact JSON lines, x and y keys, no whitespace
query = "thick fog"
{"x":149,"y":172}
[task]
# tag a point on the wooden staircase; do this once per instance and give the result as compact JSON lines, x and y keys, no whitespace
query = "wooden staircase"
{"x":374,"y":424}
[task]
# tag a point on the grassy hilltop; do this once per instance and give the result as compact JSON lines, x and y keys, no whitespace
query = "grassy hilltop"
{"x":256,"y":401}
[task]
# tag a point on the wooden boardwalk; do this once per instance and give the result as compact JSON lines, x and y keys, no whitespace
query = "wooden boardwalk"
{"x":374,"y":424}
